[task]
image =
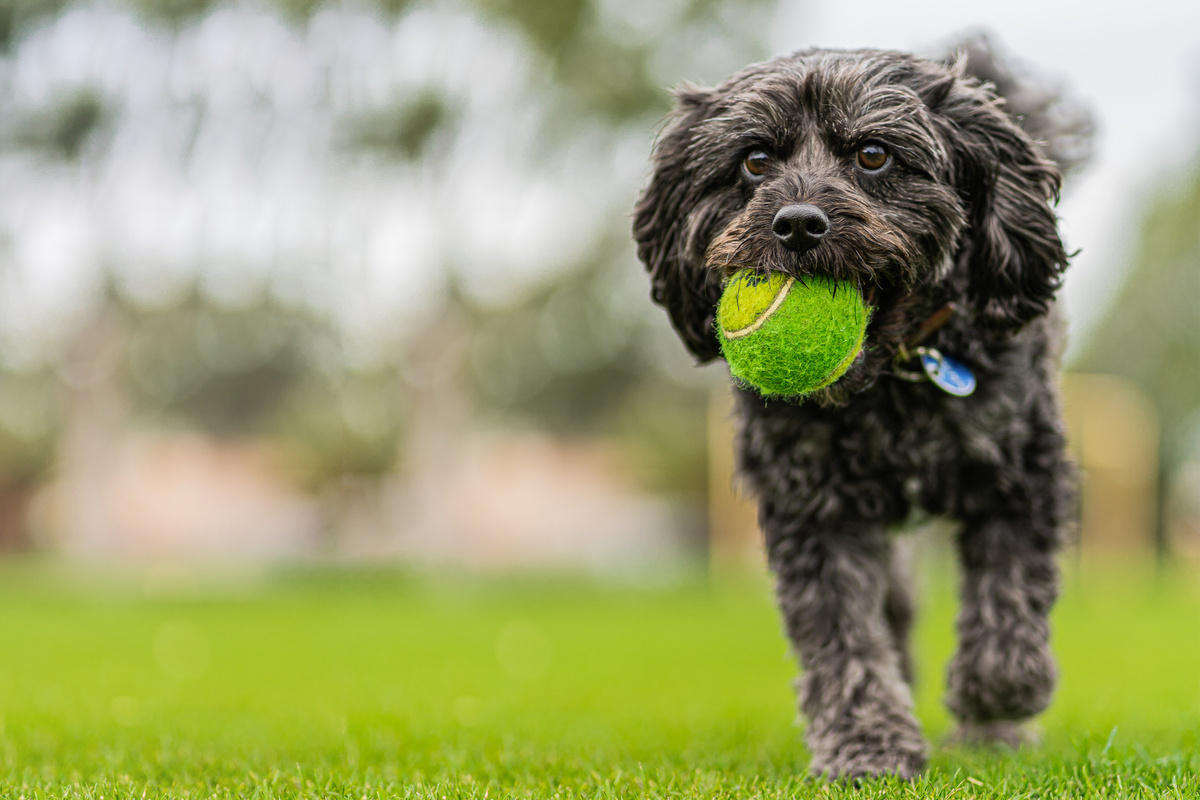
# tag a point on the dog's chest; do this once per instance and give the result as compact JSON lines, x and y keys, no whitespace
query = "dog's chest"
{"x":905,"y":449}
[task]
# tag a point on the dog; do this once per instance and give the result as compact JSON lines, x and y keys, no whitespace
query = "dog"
{"x":911,"y":178}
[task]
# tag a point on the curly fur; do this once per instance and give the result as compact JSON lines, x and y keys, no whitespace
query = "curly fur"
{"x":962,"y":214}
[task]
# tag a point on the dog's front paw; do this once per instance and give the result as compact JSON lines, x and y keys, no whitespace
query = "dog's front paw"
{"x":1001,"y":678}
{"x":890,"y":749}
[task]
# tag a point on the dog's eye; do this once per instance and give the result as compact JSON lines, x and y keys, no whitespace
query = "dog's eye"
{"x":755,"y":163}
{"x":872,"y":157}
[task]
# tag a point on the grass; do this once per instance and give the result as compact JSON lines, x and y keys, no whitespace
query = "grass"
{"x":378,"y":684}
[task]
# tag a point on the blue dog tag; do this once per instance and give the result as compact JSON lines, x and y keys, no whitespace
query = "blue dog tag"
{"x":948,"y":374}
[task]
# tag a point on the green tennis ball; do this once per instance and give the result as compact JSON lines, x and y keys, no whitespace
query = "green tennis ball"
{"x":787,"y":337}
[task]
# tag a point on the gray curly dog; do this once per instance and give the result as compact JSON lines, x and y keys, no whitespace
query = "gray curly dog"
{"x":914,"y":179}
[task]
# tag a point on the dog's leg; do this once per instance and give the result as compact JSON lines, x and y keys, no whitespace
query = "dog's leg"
{"x":1003,"y":672}
{"x":832,"y":588}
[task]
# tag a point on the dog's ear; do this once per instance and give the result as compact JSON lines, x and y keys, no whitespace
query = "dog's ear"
{"x":664,"y":229}
{"x":1011,"y":250}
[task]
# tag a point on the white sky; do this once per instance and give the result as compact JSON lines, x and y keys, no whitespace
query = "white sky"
{"x":1136,"y":63}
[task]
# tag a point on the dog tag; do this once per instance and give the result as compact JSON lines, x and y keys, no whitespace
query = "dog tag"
{"x":948,"y":374}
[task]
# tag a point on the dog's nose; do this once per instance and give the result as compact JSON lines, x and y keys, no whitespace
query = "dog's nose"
{"x":800,"y":227}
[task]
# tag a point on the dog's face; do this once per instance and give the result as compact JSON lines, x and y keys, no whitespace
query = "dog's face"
{"x":890,"y":171}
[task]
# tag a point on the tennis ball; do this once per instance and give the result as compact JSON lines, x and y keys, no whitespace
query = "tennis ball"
{"x":789,"y":337}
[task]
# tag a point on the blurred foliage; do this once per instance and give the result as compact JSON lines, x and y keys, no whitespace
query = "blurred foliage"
{"x":225,"y":370}
{"x":568,"y":354}
{"x":32,"y":406}
{"x":665,"y":427}
{"x":575,"y":355}
{"x":17,"y":17}
{"x":602,"y":68}
{"x":601,"y":72}
{"x":552,"y":25}
{"x":405,"y":130}
{"x":1151,"y":334}
{"x":264,"y":370}
{"x":612,"y":78}
{"x":62,"y":127}
{"x":181,"y":12}
{"x":176,"y":12}
{"x":562,"y":358}
{"x":32,"y":416}
{"x":578,"y":357}
{"x":342,"y":424}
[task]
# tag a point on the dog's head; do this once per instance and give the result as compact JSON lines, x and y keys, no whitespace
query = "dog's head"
{"x":898,"y":173}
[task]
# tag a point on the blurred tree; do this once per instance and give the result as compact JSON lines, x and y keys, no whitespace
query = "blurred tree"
{"x":33,"y":395}
{"x":405,"y":130}
{"x":62,"y":127}
{"x":579,"y":352}
{"x":1151,"y":333}
{"x":174,"y":12}
{"x":216,"y":369}
{"x":564,"y":357}
{"x":600,"y":71}
{"x":344,"y":424}
{"x":17,"y":17}
{"x":609,"y":60}
{"x":585,"y":352}
{"x":342,"y":431}
{"x":584,"y":355}
{"x":268,"y":371}
{"x":31,"y":419}
{"x":264,"y":369}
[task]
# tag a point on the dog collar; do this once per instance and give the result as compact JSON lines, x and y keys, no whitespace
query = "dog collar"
{"x":948,"y":374}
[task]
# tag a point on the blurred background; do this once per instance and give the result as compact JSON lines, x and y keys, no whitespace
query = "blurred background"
{"x":304,"y":280}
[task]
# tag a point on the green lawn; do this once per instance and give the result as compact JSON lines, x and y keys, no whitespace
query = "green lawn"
{"x":380,"y":684}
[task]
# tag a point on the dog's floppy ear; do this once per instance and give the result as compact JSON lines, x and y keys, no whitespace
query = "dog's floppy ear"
{"x":662,"y":229}
{"x":1011,"y":249}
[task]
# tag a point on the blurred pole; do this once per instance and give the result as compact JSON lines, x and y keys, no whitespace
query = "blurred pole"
{"x":1114,"y":432}
{"x":437,"y":429}
{"x":735,"y":545}
{"x":97,"y":417}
